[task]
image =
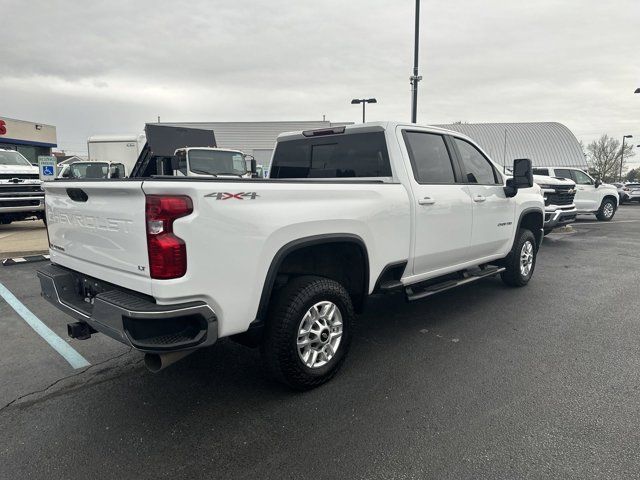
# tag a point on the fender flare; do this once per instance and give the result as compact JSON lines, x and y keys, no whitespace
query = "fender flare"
{"x":527,"y":211}
{"x":284,"y":251}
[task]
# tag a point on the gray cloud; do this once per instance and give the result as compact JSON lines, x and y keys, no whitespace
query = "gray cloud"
{"x":99,"y":67}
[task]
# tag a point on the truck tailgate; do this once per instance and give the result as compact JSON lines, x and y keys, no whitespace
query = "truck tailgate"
{"x":98,"y":228}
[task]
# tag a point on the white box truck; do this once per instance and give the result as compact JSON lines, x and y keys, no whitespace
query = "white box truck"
{"x":123,"y":149}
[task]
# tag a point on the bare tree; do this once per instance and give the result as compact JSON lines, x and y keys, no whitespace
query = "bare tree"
{"x":604,"y":157}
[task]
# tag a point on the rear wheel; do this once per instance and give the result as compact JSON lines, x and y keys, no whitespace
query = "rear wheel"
{"x":607,"y":210}
{"x":521,"y":261}
{"x":308,"y":332}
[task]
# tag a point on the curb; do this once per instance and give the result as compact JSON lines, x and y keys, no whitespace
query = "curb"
{"x":18,"y":260}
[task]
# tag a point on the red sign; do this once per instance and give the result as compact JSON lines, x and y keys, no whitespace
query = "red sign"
{"x":3,"y":127}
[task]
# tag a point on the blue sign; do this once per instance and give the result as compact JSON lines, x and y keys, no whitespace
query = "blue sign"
{"x":47,"y":170}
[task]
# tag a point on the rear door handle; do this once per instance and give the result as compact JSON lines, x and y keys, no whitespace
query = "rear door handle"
{"x":426,"y":201}
{"x":479,"y":198}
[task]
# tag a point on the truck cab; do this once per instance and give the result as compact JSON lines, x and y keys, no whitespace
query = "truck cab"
{"x":592,"y":196}
{"x":215,"y":162}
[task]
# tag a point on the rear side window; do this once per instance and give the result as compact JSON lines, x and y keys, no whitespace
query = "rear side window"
{"x":541,"y":171}
{"x":477,"y":168}
{"x":336,"y":156}
{"x":563,"y":173}
{"x":429,"y":158}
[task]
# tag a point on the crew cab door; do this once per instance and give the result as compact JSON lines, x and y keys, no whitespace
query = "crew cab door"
{"x":587,"y":197}
{"x":442,"y":206}
{"x":493,"y":212}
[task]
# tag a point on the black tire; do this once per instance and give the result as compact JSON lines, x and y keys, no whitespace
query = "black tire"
{"x":286,"y":312}
{"x":513,"y":275}
{"x":607,"y":210}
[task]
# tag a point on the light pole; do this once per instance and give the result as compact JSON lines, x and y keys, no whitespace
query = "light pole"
{"x":415,"y":78}
{"x":622,"y":153}
{"x":363,"y":101}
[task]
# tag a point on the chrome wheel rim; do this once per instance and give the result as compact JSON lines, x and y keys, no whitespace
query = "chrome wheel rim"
{"x":526,"y":258}
{"x":607,"y":209}
{"x":319,"y":334}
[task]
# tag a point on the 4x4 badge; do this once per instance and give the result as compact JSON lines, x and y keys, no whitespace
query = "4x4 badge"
{"x":236,"y":196}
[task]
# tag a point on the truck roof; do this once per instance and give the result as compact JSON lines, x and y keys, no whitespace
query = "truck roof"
{"x":370,"y":127}
{"x":125,"y":137}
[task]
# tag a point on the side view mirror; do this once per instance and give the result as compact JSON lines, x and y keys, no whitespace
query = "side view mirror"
{"x":522,"y":176}
{"x":253,"y":165}
{"x":598,"y":183}
{"x":175,"y":163}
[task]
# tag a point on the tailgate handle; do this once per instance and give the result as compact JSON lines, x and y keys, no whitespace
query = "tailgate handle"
{"x":77,"y":194}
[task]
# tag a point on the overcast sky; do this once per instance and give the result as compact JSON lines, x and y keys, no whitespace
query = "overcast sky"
{"x":93,"y":67}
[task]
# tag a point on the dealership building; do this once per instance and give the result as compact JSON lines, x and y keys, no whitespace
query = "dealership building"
{"x":29,"y":138}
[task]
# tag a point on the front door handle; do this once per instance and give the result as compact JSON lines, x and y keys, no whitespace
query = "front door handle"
{"x":426,"y":201}
{"x":479,"y":198}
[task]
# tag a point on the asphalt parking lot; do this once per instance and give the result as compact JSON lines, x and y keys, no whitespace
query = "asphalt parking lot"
{"x":480,"y":382}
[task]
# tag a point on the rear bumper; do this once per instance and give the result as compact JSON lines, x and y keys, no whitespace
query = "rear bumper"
{"x":131,"y":318}
{"x":559,"y":218}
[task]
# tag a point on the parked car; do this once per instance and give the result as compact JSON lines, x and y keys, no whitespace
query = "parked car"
{"x":632,"y":191}
{"x":622,"y":193}
{"x":592,"y":196}
{"x":21,"y":195}
{"x":168,"y":265}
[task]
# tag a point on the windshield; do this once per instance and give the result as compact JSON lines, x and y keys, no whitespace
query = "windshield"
{"x":13,"y":158}
{"x":88,"y":170}
{"x":217,"y":162}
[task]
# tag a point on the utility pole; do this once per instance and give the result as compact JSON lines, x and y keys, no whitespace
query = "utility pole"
{"x":415,"y":78}
{"x":622,"y":154}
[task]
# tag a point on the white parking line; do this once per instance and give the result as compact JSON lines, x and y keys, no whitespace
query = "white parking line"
{"x":58,"y":344}
{"x":577,"y":224}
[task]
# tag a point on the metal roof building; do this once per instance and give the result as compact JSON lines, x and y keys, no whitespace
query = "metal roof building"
{"x":545,"y":143}
{"x":255,"y":138}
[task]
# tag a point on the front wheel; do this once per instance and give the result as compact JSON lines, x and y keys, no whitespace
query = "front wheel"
{"x":607,"y":210}
{"x":521,"y":261}
{"x":308,"y":332}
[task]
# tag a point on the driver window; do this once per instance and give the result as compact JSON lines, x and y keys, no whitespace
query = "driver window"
{"x":582,"y":178}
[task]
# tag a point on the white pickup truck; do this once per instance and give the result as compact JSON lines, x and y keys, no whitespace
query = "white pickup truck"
{"x":171,"y":264}
{"x":592,"y":196}
{"x":21,"y":195}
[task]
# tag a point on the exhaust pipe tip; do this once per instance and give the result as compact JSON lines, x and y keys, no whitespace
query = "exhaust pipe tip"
{"x":159,"y":361}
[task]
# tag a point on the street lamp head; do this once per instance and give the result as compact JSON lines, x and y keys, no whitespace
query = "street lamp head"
{"x":355,"y":101}
{"x":637,"y":90}
{"x":372,"y":100}
{"x":628,"y":136}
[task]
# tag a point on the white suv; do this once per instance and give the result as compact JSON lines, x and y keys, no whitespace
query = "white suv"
{"x":592,"y":196}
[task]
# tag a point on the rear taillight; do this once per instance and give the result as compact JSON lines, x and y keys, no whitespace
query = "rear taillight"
{"x":167,"y":252}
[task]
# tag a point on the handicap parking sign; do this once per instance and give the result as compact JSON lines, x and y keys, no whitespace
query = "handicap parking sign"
{"x":47,"y":166}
